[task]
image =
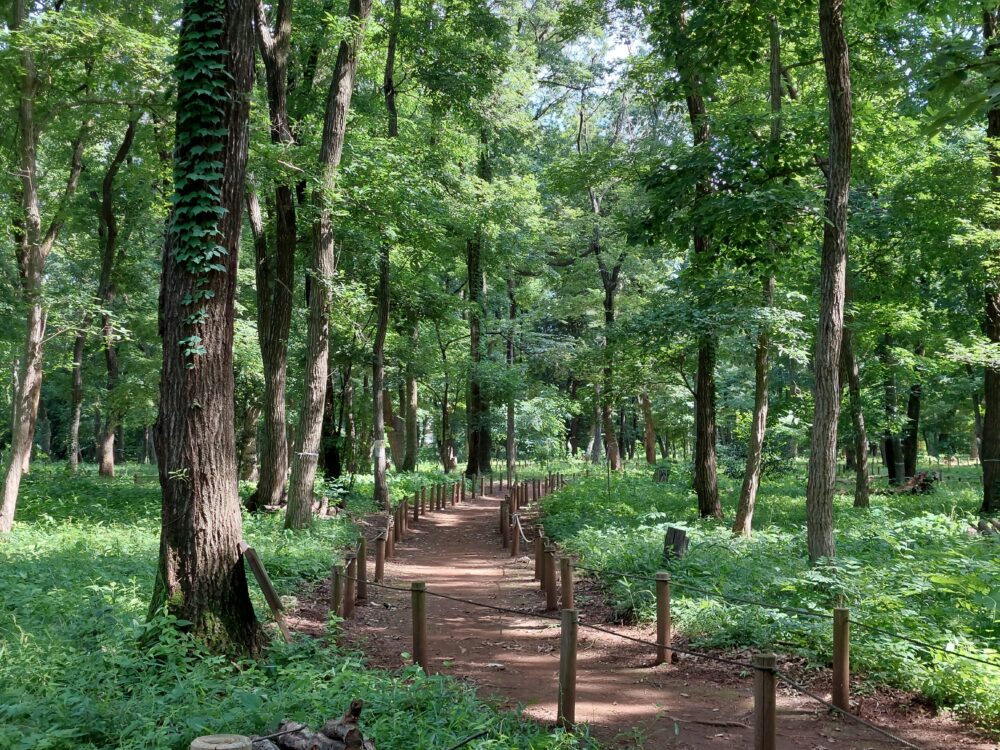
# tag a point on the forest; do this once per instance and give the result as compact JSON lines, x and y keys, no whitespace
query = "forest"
{"x":273,"y":274}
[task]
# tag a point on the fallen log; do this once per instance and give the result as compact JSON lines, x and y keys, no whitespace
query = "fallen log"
{"x":336,"y":734}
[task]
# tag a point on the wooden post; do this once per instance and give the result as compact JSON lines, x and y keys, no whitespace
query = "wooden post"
{"x":336,"y":588}
{"x":567,"y":669}
{"x":482,"y":484}
{"x":462,"y":498}
{"x":764,"y":704}
{"x":539,"y":551}
{"x":454,"y":494}
{"x":842,"y":658}
{"x":347,"y":611}
{"x":418,"y":604}
{"x":363,"y":569}
{"x":515,"y":542}
{"x":566,"y":582}
{"x":491,"y":483}
{"x":663,"y":634}
{"x":423,"y":500}
{"x":416,"y":508}
{"x":380,"y":558}
{"x":505,"y":523}
{"x":397,"y":532}
{"x":402,"y":519}
{"x":390,"y":544}
{"x":551,"y":595}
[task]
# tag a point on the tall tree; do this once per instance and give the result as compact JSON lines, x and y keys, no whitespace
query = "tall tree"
{"x":200,"y":578}
{"x":833,"y":278}
{"x":33,"y":247}
{"x":990,"y":448}
{"x":274,"y":260}
{"x":322,"y":266}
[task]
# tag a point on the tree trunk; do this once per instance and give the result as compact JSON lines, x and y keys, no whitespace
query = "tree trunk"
{"x":511,"y":446}
{"x":595,"y":428}
{"x":32,"y":249}
{"x":478,"y":415}
{"x":350,"y":433}
{"x":743,"y":525}
{"x":990,"y":446}
{"x":977,"y":415}
{"x":274,"y":265}
{"x":705,"y":480}
{"x":649,"y":429}
{"x":323,"y":264}
{"x":850,"y":367}
{"x":201,"y":578}
{"x":412,"y":405}
{"x":912,"y":431}
{"x":382,"y":401}
{"x":76,"y":401}
{"x":833,"y":277}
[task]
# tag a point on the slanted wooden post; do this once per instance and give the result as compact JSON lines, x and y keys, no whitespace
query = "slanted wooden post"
{"x":363,"y":569}
{"x":418,"y":605}
{"x":566,"y":582}
{"x":764,"y":703}
{"x":380,"y":557}
{"x":663,"y":628}
{"x":842,"y":658}
{"x":336,"y":588}
{"x":567,"y":669}
{"x":350,"y":586}
{"x":551,"y":595}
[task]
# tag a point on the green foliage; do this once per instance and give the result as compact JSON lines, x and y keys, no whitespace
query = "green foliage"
{"x":906,"y":565}
{"x":77,"y":576}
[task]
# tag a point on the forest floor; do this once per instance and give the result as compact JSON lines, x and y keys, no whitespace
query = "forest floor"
{"x":625,"y":700}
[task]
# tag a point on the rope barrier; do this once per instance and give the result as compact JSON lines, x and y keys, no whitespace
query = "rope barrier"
{"x":796,"y":611}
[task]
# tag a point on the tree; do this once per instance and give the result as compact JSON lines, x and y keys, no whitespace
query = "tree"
{"x":200,"y":577}
{"x":322,"y":265}
{"x":33,"y":247}
{"x":833,"y":278}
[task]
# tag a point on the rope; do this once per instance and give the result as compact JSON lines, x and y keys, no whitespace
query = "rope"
{"x":797,"y":611}
{"x":796,"y":686}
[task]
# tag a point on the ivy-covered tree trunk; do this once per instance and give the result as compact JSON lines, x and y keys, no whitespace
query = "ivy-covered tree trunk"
{"x":200,"y":578}
{"x":305,"y":459}
{"x":833,"y":279}
{"x":33,"y":246}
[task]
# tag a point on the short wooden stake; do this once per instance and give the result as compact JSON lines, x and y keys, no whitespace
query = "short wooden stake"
{"x":539,"y":551}
{"x":567,"y":669}
{"x":462,"y":498}
{"x":663,"y":634}
{"x":403,"y":508}
{"x":418,"y":604}
{"x":505,"y":523}
{"x":566,"y":582}
{"x":350,"y":586}
{"x":842,"y":658}
{"x":423,"y":500}
{"x":363,"y":569}
{"x":416,"y":508}
{"x":764,"y":703}
{"x":380,"y":558}
{"x":397,"y":531}
{"x":551,"y":595}
{"x":336,"y":588}
{"x":454,"y":494}
{"x":515,"y":541}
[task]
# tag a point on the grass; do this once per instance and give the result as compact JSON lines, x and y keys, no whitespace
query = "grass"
{"x":75,"y":582}
{"x":906,"y":565}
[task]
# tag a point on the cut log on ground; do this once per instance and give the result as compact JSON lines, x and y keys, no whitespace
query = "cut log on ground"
{"x":336,"y":734}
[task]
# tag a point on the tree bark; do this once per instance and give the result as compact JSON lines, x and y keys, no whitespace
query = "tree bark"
{"x":200,"y":577}
{"x":32,"y":250}
{"x":912,"y":431}
{"x":833,"y":277}
{"x":850,"y":368}
{"x":76,"y":400}
{"x":649,"y":428}
{"x":412,"y":404}
{"x":990,"y":446}
{"x":382,"y":401}
{"x":743,"y":524}
{"x":274,"y":266}
{"x":322,"y":265}
{"x":511,"y":442}
{"x":477,"y":409}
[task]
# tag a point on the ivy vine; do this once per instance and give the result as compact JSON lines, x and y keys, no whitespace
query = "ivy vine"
{"x":202,"y":92}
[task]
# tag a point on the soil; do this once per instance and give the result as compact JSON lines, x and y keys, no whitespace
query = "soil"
{"x":625,"y":700}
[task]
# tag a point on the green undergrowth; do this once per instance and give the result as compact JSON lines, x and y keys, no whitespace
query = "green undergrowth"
{"x":75,"y":582}
{"x":905,"y":565}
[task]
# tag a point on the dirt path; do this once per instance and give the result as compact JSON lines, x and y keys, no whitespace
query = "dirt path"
{"x":627,"y":702}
